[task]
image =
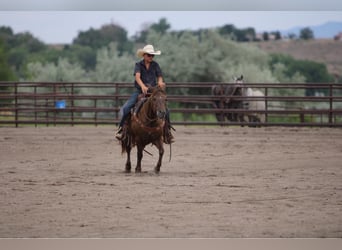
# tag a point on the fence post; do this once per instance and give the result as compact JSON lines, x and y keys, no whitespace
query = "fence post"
{"x":95,"y":106}
{"x":35,"y":106}
{"x":72,"y":104}
{"x":54,"y":103}
{"x":331,"y":104}
{"x":221,"y":103}
{"x":16,"y":103}
{"x":266,"y":104}
{"x":117,"y":100}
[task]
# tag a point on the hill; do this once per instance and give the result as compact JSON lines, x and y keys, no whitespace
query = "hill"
{"x":325,"y":30}
{"x":325,"y":51}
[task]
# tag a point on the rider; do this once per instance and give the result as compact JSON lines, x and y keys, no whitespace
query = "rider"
{"x":146,"y":72}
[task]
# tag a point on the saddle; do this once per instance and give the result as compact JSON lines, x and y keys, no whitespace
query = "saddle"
{"x":142,"y":98}
{"x":140,"y":101}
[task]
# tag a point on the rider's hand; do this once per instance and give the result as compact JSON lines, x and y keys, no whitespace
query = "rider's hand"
{"x":144,"y":89}
{"x":162,"y":85}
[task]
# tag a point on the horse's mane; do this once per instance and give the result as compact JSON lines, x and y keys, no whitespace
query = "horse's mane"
{"x":155,"y":90}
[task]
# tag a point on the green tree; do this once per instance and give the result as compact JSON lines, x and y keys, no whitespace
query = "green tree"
{"x":162,"y":26}
{"x":97,"y":39}
{"x":313,"y":72}
{"x":84,"y":55}
{"x":277,"y":35}
{"x":240,"y":35}
{"x":209,"y":57}
{"x":306,"y":34}
{"x":6,"y":73}
{"x":111,"y":66}
{"x":63,"y":71}
{"x":227,"y":29}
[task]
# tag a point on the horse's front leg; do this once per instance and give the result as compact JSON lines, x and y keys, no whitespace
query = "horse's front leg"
{"x":128,"y":161}
{"x":160,"y":147}
{"x":139,"y":158}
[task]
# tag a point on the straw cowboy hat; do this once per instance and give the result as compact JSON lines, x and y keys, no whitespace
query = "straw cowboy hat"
{"x":148,"y":49}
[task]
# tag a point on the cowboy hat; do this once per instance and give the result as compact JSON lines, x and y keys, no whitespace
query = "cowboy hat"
{"x":148,"y":49}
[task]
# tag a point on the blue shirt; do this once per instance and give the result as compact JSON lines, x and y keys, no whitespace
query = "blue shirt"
{"x":148,"y":76}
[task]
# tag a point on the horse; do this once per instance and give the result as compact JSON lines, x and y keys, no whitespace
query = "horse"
{"x":229,"y":91}
{"x":238,"y":89}
{"x":256,"y":105}
{"x":144,"y":127}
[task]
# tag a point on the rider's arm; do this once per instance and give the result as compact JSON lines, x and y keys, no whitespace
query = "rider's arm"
{"x":140,"y":82}
{"x":161,"y":83}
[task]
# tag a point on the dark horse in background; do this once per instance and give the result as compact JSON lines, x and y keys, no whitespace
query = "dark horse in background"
{"x":229,"y":92}
{"x":144,"y":127}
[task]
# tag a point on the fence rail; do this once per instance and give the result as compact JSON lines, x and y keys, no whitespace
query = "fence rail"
{"x":53,"y":103}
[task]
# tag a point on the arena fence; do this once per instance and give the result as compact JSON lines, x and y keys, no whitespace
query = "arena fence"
{"x":74,"y":103}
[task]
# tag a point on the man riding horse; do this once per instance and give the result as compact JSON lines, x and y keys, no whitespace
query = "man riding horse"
{"x":147,"y":73}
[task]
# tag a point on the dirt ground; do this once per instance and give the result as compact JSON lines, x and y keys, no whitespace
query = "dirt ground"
{"x":221,"y":182}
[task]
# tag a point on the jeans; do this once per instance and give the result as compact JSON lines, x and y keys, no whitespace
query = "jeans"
{"x":128,"y":106}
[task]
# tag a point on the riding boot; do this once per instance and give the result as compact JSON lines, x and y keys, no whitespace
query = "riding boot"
{"x":118,"y":134}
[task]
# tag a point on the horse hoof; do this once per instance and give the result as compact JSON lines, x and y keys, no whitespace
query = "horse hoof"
{"x":156,"y":170}
{"x":138,"y":170}
{"x":128,"y":168}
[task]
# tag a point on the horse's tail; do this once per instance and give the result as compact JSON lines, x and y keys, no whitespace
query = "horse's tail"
{"x":123,"y":146}
{"x":126,"y":141}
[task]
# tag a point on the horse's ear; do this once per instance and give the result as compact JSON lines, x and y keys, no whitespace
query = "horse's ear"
{"x":241,"y":77}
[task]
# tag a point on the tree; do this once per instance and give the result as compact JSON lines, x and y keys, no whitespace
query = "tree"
{"x":306,"y":34}
{"x":62,"y":71}
{"x":84,"y":55}
{"x":227,"y":29}
{"x":292,"y":36}
{"x":313,"y":72}
{"x":6,"y":73}
{"x":6,"y":34}
{"x":277,"y":35}
{"x":108,"y":33}
{"x":111,"y":66}
{"x":162,"y":26}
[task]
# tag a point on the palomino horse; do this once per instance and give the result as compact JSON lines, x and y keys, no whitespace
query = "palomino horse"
{"x":146,"y":127}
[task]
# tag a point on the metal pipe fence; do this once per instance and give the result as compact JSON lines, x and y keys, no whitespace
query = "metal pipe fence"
{"x":74,"y":103}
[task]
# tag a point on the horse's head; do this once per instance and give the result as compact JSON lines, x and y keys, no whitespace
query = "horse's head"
{"x":239,"y":85}
{"x":238,"y":79}
{"x":158,"y":102}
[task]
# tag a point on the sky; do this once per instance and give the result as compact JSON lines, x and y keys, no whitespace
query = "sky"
{"x":63,"y":26}
{"x":184,"y":5}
